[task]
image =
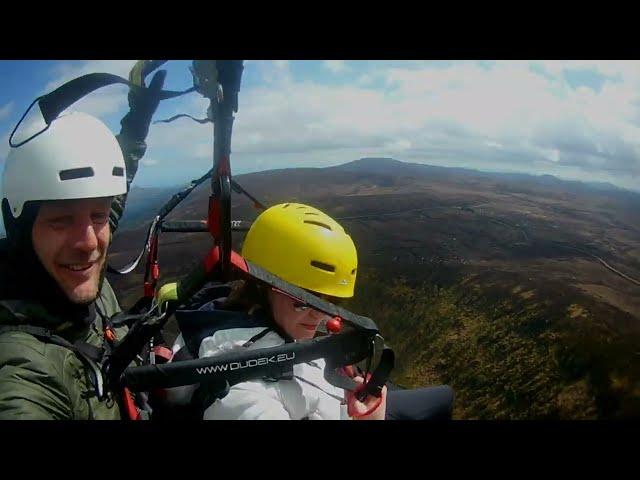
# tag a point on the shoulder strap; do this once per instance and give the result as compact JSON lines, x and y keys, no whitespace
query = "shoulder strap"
{"x":12,"y":306}
{"x":198,"y":324}
{"x":257,"y":337}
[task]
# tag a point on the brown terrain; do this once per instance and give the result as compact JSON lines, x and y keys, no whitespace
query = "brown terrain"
{"x":521,"y":292}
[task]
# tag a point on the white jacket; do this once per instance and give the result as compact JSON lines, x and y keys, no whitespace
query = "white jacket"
{"x":307,"y":396}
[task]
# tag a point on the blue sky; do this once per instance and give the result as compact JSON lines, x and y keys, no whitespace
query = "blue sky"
{"x":573,"y":119}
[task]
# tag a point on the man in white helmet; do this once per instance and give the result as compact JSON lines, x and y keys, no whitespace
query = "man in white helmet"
{"x":64,"y":193}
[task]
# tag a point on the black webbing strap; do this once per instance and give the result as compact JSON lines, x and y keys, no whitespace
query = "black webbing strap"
{"x":55,"y":102}
{"x":88,"y":354}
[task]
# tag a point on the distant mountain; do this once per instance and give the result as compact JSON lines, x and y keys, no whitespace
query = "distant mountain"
{"x":373,"y":165}
{"x":604,"y":186}
{"x":391,"y":166}
{"x":143,"y":203}
{"x":365,"y":176}
{"x":385,"y":165}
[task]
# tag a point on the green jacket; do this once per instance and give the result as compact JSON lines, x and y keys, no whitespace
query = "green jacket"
{"x":40,"y":380}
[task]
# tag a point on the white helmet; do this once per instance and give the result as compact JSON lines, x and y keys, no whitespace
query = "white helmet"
{"x":76,"y":157}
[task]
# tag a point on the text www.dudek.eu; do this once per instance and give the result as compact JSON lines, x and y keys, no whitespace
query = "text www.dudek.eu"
{"x":254,"y":362}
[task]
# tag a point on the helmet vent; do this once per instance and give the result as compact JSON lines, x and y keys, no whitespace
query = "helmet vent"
{"x":73,"y":173}
{"x":301,"y":207}
{"x":286,"y":205}
{"x":320,"y":224}
{"x":323,"y":266}
{"x":353,"y":272}
{"x":310,"y":213}
{"x":118,"y":172}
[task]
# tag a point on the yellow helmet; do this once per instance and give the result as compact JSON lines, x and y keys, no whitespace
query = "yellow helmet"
{"x":305,"y":247}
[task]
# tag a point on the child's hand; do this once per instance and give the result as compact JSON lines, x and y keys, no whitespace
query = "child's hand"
{"x":372,"y":408}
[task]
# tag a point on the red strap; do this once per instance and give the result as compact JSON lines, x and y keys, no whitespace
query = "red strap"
{"x":149,"y":291}
{"x":214,"y":257}
{"x":129,"y":405}
{"x":352,"y":396}
{"x":163,"y":352}
{"x":351,"y":399}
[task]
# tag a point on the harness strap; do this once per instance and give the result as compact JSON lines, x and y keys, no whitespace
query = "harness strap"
{"x":257,"y":337}
{"x":53,"y":103}
{"x":83,"y":350}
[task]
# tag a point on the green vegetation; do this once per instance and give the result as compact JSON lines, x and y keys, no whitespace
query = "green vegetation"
{"x":510,"y":351}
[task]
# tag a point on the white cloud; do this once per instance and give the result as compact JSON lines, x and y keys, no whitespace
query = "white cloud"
{"x":6,"y":110}
{"x":32,"y":124}
{"x":183,"y":135}
{"x":623,"y":70}
{"x":335,"y":66}
{"x":102,"y":102}
{"x":365,"y":79}
{"x":398,"y":145}
{"x":276,"y":72}
{"x":4,"y":146}
{"x":65,"y":71}
{"x":494,"y":114}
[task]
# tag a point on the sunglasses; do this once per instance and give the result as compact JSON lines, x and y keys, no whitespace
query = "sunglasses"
{"x":300,"y":306}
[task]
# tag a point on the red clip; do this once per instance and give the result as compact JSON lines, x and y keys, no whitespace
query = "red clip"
{"x":334,"y":325}
{"x":109,"y":334}
{"x":155,"y":271}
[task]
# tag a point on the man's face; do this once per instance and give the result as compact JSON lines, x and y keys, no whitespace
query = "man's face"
{"x":71,"y":237}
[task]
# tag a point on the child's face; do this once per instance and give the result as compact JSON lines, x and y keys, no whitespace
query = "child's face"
{"x":298,"y":321}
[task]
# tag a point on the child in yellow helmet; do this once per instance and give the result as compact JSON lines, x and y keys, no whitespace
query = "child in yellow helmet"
{"x":307,"y":248}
